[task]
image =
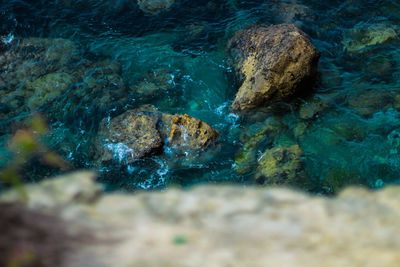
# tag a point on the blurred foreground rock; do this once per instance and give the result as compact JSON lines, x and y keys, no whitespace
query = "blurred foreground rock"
{"x":223,"y":225}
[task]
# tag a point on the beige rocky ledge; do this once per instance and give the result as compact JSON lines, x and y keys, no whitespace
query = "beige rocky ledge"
{"x":221,"y":226}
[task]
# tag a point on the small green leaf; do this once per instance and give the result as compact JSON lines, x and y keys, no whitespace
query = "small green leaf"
{"x":180,"y":240}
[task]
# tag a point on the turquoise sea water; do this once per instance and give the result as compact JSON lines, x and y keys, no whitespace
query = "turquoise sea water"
{"x":115,"y":57}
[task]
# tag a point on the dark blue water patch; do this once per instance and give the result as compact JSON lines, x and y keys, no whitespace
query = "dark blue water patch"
{"x":346,"y":127}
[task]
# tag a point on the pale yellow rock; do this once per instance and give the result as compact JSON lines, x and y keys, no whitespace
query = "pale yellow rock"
{"x":232,"y":226}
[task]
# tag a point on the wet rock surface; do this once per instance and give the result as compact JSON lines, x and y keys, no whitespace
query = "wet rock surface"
{"x":153,"y":7}
{"x":78,"y":62}
{"x":38,"y":73}
{"x":222,"y":225}
{"x":280,"y":165}
{"x":129,"y":137}
{"x":144,"y":131}
{"x":24,"y":66}
{"x":273,"y":63}
{"x":366,"y":35}
{"x":186,"y":132}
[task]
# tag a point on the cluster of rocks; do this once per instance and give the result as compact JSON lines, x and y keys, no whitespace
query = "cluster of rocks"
{"x":146,"y":131}
{"x":272,"y":64}
{"x":38,"y":73}
{"x":207,"y":225}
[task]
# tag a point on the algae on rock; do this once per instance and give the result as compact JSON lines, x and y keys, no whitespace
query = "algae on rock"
{"x":281,"y":165}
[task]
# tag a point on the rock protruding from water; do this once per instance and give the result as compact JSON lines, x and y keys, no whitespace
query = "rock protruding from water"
{"x":185,"y":132}
{"x":219,"y":225}
{"x":138,"y":133}
{"x":130,"y":136}
{"x":273,"y":63}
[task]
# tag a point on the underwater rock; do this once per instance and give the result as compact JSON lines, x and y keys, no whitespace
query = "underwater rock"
{"x":280,"y":165}
{"x":300,"y":129}
{"x":273,"y":63}
{"x":28,"y":59}
{"x":144,"y":131}
{"x":100,"y":85}
{"x":365,"y":35}
{"x":36,"y":71}
{"x":350,"y":130}
{"x":246,"y":157}
{"x":291,"y":12}
{"x":47,"y":88}
{"x":33,"y":71}
{"x":368,"y":102}
{"x":338,"y":178}
{"x":209,"y":225}
{"x":154,"y":82}
{"x":153,"y":7}
{"x":310,"y":109}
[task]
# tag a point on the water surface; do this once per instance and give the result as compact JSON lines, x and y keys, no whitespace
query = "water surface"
{"x":348,"y":127}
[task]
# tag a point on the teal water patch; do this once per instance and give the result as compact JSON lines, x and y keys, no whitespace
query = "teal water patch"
{"x":117,"y":57}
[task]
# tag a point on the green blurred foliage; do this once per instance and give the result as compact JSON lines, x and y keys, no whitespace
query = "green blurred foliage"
{"x":25,"y":145}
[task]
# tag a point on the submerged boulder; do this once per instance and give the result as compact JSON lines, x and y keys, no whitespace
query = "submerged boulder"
{"x":144,"y":131}
{"x":365,"y":35}
{"x":280,"y":165}
{"x":253,"y":138}
{"x":48,"y":88}
{"x":34,"y":71}
{"x":273,"y":63}
{"x":153,"y":7}
{"x":57,"y":76}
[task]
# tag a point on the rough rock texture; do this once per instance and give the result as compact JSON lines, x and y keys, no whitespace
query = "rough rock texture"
{"x":186,"y":132}
{"x":143,"y":131}
{"x":311,"y":109}
{"x":280,"y":165}
{"x":246,"y":157}
{"x":154,"y":82}
{"x":25,"y":66}
{"x":365,"y":35}
{"x":224,"y":226}
{"x":48,"y":87}
{"x":38,"y":73}
{"x":154,"y":6}
{"x":273,"y":63}
{"x":129,"y":136}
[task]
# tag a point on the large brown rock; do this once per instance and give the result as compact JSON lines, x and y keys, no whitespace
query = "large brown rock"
{"x":220,"y":226}
{"x":273,"y":63}
{"x":185,"y":132}
{"x":129,"y":137}
{"x":144,"y":131}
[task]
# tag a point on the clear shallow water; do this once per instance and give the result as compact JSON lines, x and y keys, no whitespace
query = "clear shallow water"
{"x":348,"y":127}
